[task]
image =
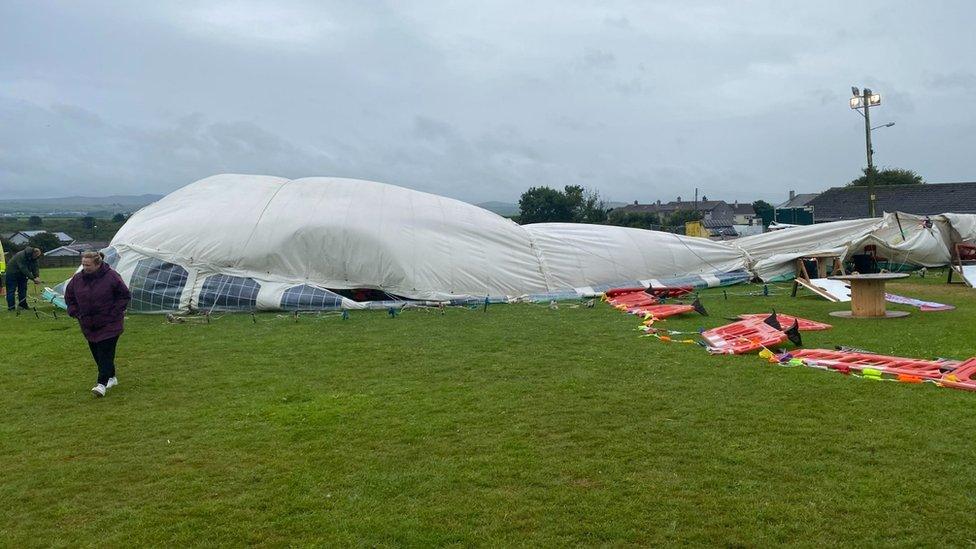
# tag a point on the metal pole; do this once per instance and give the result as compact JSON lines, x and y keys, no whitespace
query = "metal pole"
{"x":870,"y":151}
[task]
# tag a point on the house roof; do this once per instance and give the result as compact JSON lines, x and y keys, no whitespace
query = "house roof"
{"x":86,"y":246}
{"x":743,"y":209}
{"x":703,"y":205}
{"x":716,"y":223}
{"x":30,"y":234}
{"x":925,"y":199}
{"x":798,"y":201}
{"x":63,"y":251}
{"x":76,"y":248}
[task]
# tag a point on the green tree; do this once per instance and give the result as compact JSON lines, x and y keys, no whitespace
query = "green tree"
{"x":574,"y":204}
{"x":888,"y":176}
{"x":35,"y":221}
{"x":638,"y":220}
{"x":587,"y":205}
{"x":88,"y":222}
{"x":765,"y":211}
{"x":45,"y":241}
{"x":118,"y":218}
{"x":544,"y":205}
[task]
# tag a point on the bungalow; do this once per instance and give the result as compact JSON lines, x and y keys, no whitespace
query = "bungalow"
{"x":75,"y":249}
{"x":23,"y":237}
{"x":840,"y":203}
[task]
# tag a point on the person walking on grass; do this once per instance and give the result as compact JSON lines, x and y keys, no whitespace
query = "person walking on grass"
{"x":97,"y":297}
{"x":23,"y":267}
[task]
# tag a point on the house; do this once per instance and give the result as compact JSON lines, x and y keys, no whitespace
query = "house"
{"x":715,"y":229}
{"x":720,"y":228}
{"x":796,"y":210}
{"x":710,"y":209}
{"x":744,"y":214}
{"x":22,"y":237}
{"x":75,"y":249}
{"x":840,"y":203}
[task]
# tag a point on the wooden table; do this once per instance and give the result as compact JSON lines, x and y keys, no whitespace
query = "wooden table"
{"x":868,"y":296}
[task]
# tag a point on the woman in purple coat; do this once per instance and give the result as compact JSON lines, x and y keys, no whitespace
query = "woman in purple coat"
{"x":97,"y":297}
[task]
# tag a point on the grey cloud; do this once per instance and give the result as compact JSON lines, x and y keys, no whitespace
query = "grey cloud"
{"x":638,"y":100}
{"x":965,"y":81}
{"x":617,"y":21}
{"x":598,"y":59}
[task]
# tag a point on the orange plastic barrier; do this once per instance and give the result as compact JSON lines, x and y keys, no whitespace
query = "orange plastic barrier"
{"x":744,"y":336}
{"x":962,"y":377}
{"x":893,"y":366}
{"x":787,"y":320}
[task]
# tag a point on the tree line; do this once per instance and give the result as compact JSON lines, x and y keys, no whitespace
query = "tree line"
{"x":577,"y":204}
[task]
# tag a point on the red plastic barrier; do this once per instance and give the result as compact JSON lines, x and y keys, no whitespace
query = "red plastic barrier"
{"x":963,"y":377}
{"x":663,"y":291}
{"x":786,"y":321}
{"x":664,"y":311}
{"x":742,"y":337}
{"x":638,"y":299}
{"x":638,"y":302}
{"x":614,"y":292}
{"x":892,"y":365}
{"x":670,"y":291}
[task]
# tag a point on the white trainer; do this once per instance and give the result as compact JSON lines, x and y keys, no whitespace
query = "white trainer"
{"x":98,"y":390}
{"x":112,"y":382}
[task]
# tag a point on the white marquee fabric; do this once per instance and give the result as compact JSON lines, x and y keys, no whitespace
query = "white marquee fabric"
{"x":247,"y":242}
{"x":901,"y":238}
{"x":255,"y":237}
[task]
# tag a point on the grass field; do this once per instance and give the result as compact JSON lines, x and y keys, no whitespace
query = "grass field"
{"x":519,"y":426}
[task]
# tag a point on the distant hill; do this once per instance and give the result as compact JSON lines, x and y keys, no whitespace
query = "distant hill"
{"x":500,"y":208}
{"x":77,"y":204}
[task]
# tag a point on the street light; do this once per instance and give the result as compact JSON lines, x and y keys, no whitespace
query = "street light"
{"x":865,"y":100}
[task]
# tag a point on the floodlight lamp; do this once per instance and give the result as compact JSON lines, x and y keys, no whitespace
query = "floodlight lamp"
{"x":855,"y":91}
{"x":874,"y":99}
{"x":856,"y":102}
{"x":867,"y":91}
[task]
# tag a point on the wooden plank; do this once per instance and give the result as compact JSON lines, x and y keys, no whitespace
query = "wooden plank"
{"x":811,"y":285}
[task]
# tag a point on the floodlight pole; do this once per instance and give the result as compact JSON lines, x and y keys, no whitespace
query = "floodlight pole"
{"x":870,"y":151}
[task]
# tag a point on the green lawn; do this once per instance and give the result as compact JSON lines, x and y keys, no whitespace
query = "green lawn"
{"x":522,"y":426}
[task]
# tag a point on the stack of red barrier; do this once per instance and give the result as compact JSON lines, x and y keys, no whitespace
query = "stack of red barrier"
{"x":638,"y":301}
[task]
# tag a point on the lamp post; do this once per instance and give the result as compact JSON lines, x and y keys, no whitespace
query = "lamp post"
{"x":865,"y":100}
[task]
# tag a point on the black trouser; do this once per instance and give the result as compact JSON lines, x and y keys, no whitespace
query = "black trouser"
{"x":104,"y":354}
{"x":16,"y":282}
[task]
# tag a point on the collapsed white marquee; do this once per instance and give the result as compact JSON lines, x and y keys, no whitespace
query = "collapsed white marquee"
{"x":246,"y":242}
{"x":259,"y":242}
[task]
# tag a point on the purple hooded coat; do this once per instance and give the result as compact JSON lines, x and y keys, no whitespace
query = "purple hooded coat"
{"x":98,"y":301}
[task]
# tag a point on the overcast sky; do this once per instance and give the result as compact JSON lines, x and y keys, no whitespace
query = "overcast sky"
{"x":481,"y":100}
